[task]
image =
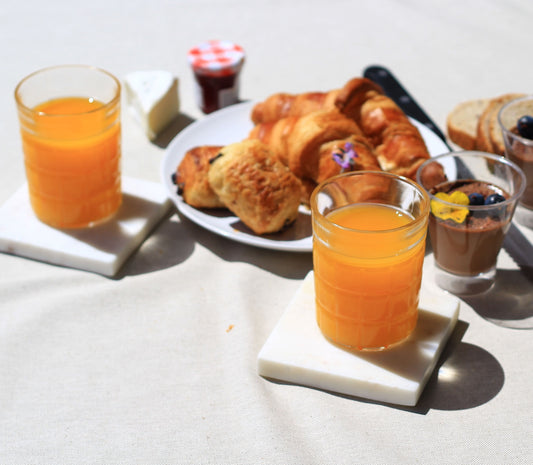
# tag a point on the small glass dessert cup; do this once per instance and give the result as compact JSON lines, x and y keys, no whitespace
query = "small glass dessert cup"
{"x":369,"y":234}
{"x":516,"y":122}
{"x":473,"y":198}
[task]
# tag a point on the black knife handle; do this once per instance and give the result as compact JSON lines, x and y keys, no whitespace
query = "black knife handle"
{"x":401,"y":97}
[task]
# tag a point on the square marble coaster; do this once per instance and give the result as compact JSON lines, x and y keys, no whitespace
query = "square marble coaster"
{"x":297,"y":352}
{"x":100,"y":249}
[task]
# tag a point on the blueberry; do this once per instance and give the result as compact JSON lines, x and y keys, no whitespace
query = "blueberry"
{"x":525,"y":126}
{"x":475,"y":198}
{"x":494,"y":198}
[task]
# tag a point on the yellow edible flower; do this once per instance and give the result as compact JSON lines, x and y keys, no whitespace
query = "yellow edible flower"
{"x":448,"y":212}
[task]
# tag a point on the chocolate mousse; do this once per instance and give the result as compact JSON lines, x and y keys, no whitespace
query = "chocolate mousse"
{"x":522,"y":155}
{"x":466,"y":239}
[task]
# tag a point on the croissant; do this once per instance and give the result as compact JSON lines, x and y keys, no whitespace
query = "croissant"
{"x":399,"y":147}
{"x":283,"y":105}
{"x":347,"y":100}
{"x":354,"y":93}
{"x":318,"y":135}
{"x":364,"y":157}
{"x":307,"y":144}
{"x":377,"y":113}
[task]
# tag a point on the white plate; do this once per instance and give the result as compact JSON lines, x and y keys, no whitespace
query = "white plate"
{"x":226,"y":126}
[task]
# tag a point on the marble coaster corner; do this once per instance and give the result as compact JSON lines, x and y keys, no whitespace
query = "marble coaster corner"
{"x":101,"y":249}
{"x":297,"y":352}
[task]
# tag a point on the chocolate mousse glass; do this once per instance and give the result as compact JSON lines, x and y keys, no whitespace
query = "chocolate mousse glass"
{"x":516,"y":122}
{"x":473,"y":198}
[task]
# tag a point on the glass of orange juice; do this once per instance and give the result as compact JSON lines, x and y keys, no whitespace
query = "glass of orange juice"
{"x":369,"y":233}
{"x":70,"y":126}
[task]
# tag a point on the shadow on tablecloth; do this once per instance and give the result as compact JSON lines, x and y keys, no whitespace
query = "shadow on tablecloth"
{"x":290,"y":265}
{"x":168,"y":245}
{"x":510,"y":301}
{"x":174,"y":240}
{"x":465,"y":377}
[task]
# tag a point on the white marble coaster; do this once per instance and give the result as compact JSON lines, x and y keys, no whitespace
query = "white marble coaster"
{"x":100,"y":249}
{"x":297,"y":352}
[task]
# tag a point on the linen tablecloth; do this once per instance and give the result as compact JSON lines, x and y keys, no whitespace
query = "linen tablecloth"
{"x":158,"y":365}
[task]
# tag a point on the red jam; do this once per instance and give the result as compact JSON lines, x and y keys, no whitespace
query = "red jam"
{"x":216,"y":65}
{"x":216,"y":92}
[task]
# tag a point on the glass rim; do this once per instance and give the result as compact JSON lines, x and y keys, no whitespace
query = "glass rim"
{"x":113,"y":101}
{"x":478,"y":154}
{"x":410,"y":225}
{"x":507,"y":131}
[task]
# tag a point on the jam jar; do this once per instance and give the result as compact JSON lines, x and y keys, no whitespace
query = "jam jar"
{"x":216,"y":65}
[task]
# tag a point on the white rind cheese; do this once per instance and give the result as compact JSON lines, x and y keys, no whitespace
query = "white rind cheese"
{"x":153,"y":98}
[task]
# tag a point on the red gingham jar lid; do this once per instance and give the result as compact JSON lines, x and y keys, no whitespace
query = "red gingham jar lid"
{"x":216,"y":58}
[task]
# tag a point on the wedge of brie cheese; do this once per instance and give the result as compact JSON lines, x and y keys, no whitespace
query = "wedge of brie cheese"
{"x":153,"y":98}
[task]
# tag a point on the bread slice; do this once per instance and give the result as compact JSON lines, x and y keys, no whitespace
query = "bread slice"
{"x":473,"y":125}
{"x":462,"y":122}
{"x":488,"y":123}
{"x":495,"y":131}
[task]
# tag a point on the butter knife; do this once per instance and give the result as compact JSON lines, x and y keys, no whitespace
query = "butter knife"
{"x":393,"y":89}
{"x":515,"y":243}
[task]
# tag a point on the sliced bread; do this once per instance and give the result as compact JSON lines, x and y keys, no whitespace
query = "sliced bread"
{"x":473,"y":125}
{"x":495,"y":131}
{"x":487,"y":129}
{"x":462,"y":122}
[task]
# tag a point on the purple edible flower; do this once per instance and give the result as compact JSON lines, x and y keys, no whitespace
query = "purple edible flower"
{"x":345,"y":156}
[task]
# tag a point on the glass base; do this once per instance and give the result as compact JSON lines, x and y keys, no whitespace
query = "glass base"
{"x":76,"y":226}
{"x":509,"y":303}
{"x":465,"y":285}
{"x":524,"y":216}
{"x":60,"y":218}
{"x":356,"y":350}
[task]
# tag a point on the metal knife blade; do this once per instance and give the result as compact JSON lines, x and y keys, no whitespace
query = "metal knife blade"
{"x":515,"y":243}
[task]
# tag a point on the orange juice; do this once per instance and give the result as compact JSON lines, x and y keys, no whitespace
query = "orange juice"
{"x":366,"y":292}
{"x":368,"y":270}
{"x":72,"y":162}
{"x":71,"y":144}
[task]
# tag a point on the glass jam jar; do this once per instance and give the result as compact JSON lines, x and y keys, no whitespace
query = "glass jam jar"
{"x":216,"y":65}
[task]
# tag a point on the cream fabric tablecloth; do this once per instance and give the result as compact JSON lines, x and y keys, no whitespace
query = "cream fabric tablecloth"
{"x":143,"y":368}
